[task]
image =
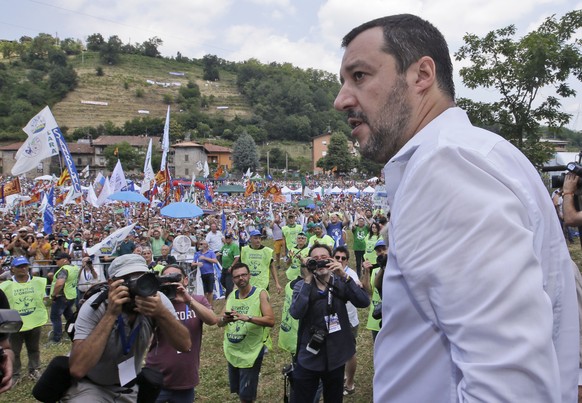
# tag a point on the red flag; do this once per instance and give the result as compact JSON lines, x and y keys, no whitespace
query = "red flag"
{"x":250,"y":189}
{"x":219,"y":172}
{"x":11,"y":188}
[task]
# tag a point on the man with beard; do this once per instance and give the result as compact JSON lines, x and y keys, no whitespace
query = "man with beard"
{"x":485,"y":310}
{"x":248,"y":317}
{"x":112,"y":339}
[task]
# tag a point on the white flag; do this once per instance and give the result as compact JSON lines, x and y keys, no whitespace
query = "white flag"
{"x":43,"y":204}
{"x":148,"y":171}
{"x":105,"y":193}
{"x":91,"y":196}
{"x":85,"y":172}
{"x":71,"y":196}
{"x":39,"y":145}
{"x":206,"y":170}
{"x":109,"y":244}
{"x":165,"y":140}
{"x":199,"y":166}
{"x":117,"y":181}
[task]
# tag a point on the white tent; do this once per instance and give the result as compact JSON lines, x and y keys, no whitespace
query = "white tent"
{"x":317,"y":190}
{"x":296,"y":191}
{"x":285,"y":190}
{"x":336,"y":190}
{"x":369,"y":190}
{"x":353,"y":190}
{"x":373,"y":179}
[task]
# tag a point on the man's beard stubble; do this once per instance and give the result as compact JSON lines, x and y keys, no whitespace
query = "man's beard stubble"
{"x":388,"y":133}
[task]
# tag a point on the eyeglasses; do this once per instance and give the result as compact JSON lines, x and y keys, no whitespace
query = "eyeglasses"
{"x":240,"y":276}
{"x":341,"y":258}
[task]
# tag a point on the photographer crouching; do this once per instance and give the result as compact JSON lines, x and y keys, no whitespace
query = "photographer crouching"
{"x":325,"y":340}
{"x":112,"y":338}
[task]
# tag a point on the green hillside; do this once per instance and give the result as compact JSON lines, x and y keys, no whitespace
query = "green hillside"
{"x":120,"y":83}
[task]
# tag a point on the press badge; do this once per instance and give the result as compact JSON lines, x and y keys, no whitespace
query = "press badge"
{"x":126,"y":371}
{"x":333,"y":323}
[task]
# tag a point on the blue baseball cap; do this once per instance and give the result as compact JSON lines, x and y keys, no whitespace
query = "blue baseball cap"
{"x":380,"y":243}
{"x":255,"y":233}
{"x":20,"y":261}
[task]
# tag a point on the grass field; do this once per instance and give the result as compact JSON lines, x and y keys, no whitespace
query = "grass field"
{"x":213,"y":371}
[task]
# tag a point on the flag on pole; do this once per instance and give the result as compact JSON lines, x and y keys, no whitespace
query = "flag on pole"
{"x":39,"y":145}
{"x":250,"y":189}
{"x":223,"y":222}
{"x":109,"y":244}
{"x":64,"y":177}
{"x":206,"y":170}
{"x":148,"y":171}
{"x":116,"y":152}
{"x":117,"y":180}
{"x":218,"y":172}
{"x":49,"y":212}
{"x":11,"y":188}
{"x":85,"y":172}
{"x":165,"y":141}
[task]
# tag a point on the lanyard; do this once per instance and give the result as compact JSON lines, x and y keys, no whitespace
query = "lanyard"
{"x":126,"y":344}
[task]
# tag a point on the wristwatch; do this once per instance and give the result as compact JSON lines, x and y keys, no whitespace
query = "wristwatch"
{"x":250,"y":318}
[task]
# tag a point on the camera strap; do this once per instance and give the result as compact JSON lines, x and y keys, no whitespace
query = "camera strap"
{"x":125,"y":343}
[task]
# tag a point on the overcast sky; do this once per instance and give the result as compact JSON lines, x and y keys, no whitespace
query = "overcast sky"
{"x":306,"y":33}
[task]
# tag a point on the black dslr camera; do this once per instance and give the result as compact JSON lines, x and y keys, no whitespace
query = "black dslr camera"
{"x":313,"y":264}
{"x":148,"y":284}
{"x":316,"y":341}
{"x":558,"y":180}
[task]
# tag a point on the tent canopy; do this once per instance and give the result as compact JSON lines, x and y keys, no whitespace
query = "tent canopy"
{"x":230,"y":189}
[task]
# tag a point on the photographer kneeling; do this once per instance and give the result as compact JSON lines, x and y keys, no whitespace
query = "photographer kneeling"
{"x":325,"y":340}
{"x":112,"y":338}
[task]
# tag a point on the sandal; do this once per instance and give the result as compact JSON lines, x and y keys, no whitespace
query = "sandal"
{"x":348,"y":391}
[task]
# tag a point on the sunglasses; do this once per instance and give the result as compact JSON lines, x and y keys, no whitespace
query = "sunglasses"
{"x":341,"y":258}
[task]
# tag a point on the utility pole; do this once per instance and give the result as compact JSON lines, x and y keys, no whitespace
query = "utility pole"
{"x":286,"y":164}
{"x":268,"y":171}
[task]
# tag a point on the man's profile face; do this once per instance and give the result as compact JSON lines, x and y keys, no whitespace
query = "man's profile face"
{"x":374,"y":96}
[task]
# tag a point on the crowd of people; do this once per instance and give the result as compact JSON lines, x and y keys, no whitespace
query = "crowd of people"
{"x":473,"y":293}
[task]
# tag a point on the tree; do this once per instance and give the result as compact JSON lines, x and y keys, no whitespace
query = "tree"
{"x":71,"y":46}
{"x":111,"y":50}
{"x":210,"y":67}
{"x":130,"y":157}
{"x":94,"y":42}
{"x":338,"y":158}
{"x":245,"y":154}
{"x":545,"y":58}
{"x":150,"y":47}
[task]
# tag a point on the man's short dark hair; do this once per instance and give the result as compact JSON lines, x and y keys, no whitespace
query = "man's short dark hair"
{"x":342,"y":249}
{"x":317,"y":245}
{"x":408,"y":38}
{"x":239,"y":265}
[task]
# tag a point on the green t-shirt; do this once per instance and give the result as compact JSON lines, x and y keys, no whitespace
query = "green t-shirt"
{"x":295,"y":269}
{"x":370,"y":254}
{"x":360,"y":234}
{"x":229,"y":252}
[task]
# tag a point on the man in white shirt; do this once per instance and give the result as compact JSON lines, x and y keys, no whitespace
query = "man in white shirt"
{"x":478,"y":299}
{"x":342,"y":255}
{"x":214,"y":238}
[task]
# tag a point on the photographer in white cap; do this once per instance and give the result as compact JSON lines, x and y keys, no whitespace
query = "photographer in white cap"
{"x":111,"y":339}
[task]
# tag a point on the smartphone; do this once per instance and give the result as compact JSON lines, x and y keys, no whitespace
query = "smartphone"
{"x":228,"y":313}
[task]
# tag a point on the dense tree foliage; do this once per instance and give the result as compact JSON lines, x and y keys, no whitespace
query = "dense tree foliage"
{"x":210,"y":64}
{"x":245,"y":154}
{"x":291,"y":103}
{"x":132,"y":158}
{"x":338,"y":158}
{"x":518,"y":69}
{"x":41,"y":77}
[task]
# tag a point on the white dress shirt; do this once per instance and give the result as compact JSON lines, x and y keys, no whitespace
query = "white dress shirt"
{"x":478,"y":297}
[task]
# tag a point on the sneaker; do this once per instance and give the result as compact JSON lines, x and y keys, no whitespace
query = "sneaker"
{"x":34,"y":375}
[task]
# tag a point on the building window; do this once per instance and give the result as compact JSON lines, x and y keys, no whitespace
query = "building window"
{"x":323,"y":153}
{"x":186,"y":171}
{"x":324,"y":142}
{"x":40,"y":168}
{"x":79,"y":161}
{"x":186,"y":156}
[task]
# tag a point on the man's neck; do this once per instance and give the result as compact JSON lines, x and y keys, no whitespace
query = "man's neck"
{"x":244,"y":292}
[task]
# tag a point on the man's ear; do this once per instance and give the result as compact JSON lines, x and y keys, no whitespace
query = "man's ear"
{"x":422,"y":74}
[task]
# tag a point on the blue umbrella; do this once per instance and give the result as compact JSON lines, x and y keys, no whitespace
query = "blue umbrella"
{"x":181,"y":210}
{"x":128,"y":197}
